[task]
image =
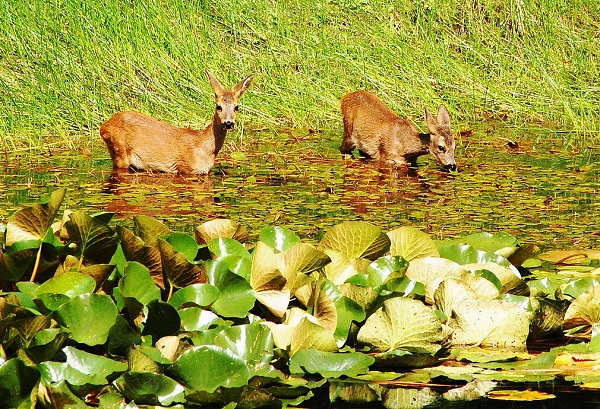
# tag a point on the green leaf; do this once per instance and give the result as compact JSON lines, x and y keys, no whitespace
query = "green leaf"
{"x":330,"y":364}
{"x":184,"y":244}
{"x":401,"y":323}
{"x":97,"y":242}
{"x":135,"y":249}
{"x":385,"y":267}
{"x":17,"y":382}
{"x":223,"y":247}
{"x":465,"y":254}
{"x":584,"y":311}
{"x":136,"y":283}
{"x":208,"y":367}
{"x":149,"y":229}
{"x":162,"y":320}
{"x":220,"y":228}
{"x":500,"y":243}
{"x":178,"y":271}
{"x":88,"y":318}
{"x":411,"y":243}
{"x":490,"y":323}
{"x":69,"y":284}
{"x":33,"y":222}
{"x":355,"y":240}
{"x":279,"y":238}
{"x":236,"y":295}
{"x":197,"y":319}
{"x":202,"y":295}
{"x":147,"y":388}
{"x":267,"y":281}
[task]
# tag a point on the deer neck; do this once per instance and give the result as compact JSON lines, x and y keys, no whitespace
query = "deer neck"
{"x":424,"y":139}
{"x":217,"y":131}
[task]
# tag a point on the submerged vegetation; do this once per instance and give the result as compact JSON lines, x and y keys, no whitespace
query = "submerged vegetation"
{"x":94,"y":313}
{"x":68,"y":66}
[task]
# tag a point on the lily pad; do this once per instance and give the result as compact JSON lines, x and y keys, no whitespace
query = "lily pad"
{"x":411,"y":243}
{"x":330,"y":364}
{"x":401,"y":323}
{"x":220,"y":228}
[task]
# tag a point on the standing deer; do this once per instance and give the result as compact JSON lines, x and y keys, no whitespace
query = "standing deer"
{"x":140,"y":142}
{"x":377,"y":132}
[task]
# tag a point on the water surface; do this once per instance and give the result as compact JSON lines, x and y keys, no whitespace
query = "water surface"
{"x":525,"y":183}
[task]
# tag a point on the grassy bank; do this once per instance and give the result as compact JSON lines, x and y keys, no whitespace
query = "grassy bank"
{"x":66,"y":66}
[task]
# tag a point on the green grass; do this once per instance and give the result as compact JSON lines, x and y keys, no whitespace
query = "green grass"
{"x":66,"y":66}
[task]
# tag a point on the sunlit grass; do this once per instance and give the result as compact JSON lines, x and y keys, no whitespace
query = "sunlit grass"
{"x":67,"y":66}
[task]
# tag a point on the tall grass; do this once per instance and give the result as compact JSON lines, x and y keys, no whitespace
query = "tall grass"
{"x":67,"y":65}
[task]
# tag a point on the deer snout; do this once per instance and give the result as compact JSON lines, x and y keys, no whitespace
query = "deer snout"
{"x":450,"y":168}
{"x":228,"y":124}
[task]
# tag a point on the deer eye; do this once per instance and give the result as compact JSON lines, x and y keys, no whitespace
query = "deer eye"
{"x":441,"y":148}
{"x":235,"y":108}
{"x":219,"y":108}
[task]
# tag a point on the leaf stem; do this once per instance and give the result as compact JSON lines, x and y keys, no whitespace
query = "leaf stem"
{"x":37,"y":263}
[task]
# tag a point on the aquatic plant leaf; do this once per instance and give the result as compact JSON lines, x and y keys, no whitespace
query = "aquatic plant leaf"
{"x":279,"y":238}
{"x":584,"y":311}
{"x":18,"y":379}
{"x":208,"y":367}
{"x":408,"y":397}
{"x":330,"y":364}
{"x":579,"y":286}
{"x":401,"y":323}
{"x":566,"y":257}
{"x":97,"y":242}
{"x":89,"y":363}
{"x":299,"y":260}
{"x":501,"y":243}
{"x":147,"y":388}
{"x":465,"y":254}
{"x":149,"y":229}
{"x":60,"y":395}
{"x":325,"y":311}
{"x":236,"y":294}
{"x":506,"y":276}
{"x":471,"y":391}
{"x":309,"y":335}
{"x":491,"y":323}
{"x":88,"y":317}
{"x":69,"y":284}
{"x":177,"y":270}
{"x":267,"y":281}
{"x":347,"y":311}
{"x":136,"y":250}
{"x":411,"y":243}
{"x":253,"y":343}
{"x":384,"y":268}
{"x":220,"y":228}
{"x":355,"y":240}
{"x":223,"y":247}
{"x":431,"y":271}
{"x":33,"y":222}
{"x":197,"y":319}
{"x":342,"y":268}
{"x":202,"y":295}
{"x":137,"y":283}
{"x":520,"y":395}
{"x":184,"y":244}
{"x":162,"y":320}
{"x":485,"y":288}
{"x":16,"y":262}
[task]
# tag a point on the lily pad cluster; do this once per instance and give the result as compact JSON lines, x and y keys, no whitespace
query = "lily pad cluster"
{"x":94,"y":312}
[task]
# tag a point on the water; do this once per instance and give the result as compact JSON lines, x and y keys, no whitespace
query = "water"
{"x":537,"y":190}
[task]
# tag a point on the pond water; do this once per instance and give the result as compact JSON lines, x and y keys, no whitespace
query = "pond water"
{"x":524,"y":182}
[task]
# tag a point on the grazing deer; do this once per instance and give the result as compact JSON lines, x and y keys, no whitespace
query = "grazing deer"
{"x":377,"y":132}
{"x":139,"y":142}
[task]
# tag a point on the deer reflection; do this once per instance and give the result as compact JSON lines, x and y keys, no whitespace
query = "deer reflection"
{"x":152,"y":194}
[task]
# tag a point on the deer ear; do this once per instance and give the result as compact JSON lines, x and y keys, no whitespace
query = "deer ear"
{"x":443,"y":117}
{"x":242,"y":86}
{"x":215,"y":84}
{"x":431,"y":123}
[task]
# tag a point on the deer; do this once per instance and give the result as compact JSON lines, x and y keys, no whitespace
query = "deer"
{"x":378,"y":133}
{"x":140,"y":142}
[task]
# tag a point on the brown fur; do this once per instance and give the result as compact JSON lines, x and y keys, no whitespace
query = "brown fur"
{"x":377,"y":132}
{"x":140,"y":142}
